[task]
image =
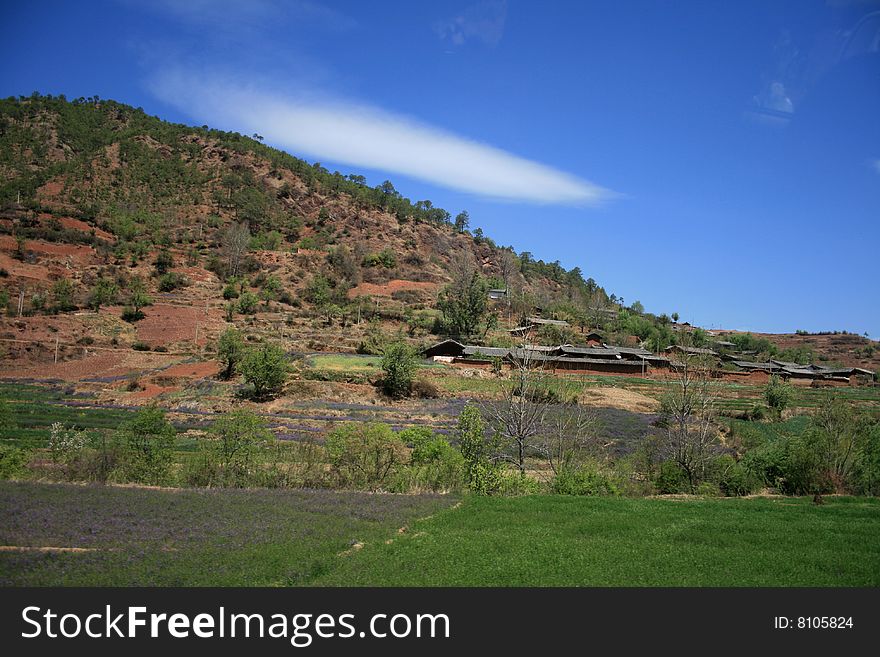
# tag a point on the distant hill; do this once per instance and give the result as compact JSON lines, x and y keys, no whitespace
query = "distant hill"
{"x":94,"y":190}
{"x":134,"y":178}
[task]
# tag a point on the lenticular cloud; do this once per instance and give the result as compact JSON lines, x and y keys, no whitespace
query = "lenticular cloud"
{"x":361,"y":135}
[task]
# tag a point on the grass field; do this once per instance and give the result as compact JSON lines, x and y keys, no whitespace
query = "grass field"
{"x":138,"y":536}
{"x":568,"y":541}
{"x":149,"y":537}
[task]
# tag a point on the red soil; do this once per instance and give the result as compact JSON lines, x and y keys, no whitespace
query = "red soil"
{"x":81,"y":254}
{"x":101,"y":364}
{"x":386,"y":290}
{"x":166,"y":324}
{"x":75,"y":224}
{"x":22,"y":269}
{"x":193,"y":370}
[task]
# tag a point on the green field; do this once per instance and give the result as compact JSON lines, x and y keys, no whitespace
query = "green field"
{"x":130,"y":536}
{"x":139,"y":536}
{"x":571,"y":541}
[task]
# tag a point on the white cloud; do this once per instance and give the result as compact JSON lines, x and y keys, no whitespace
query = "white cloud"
{"x":483,"y":21}
{"x":361,"y":135}
{"x":235,"y":16}
{"x":876,"y":165}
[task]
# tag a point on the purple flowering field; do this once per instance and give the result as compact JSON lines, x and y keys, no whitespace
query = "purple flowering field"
{"x":132,"y":536}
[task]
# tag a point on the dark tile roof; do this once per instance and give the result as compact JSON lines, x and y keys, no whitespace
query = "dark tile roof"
{"x":471,"y":350}
{"x":601,"y":352}
{"x":540,"y":320}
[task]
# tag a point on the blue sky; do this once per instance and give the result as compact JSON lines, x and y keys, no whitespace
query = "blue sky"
{"x":721,"y":160}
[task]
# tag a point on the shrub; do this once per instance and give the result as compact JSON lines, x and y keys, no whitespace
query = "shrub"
{"x":733,"y":478}
{"x":374,"y":342}
{"x":239,"y":436}
{"x":482,"y":475}
{"x":102,"y":293}
{"x":777,"y":394}
{"x":247,"y":303}
{"x":708,"y":489}
{"x":62,"y":295}
{"x":130,"y":314}
{"x":671,"y":479}
{"x":140,"y":346}
{"x":424,"y":389}
{"x":435,"y":465}
{"x":164,"y":261}
{"x":385,"y":258}
{"x":230,"y":350}
{"x":514,"y":484}
{"x":171,"y":281}
{"x":13,"y":462}
{"x":149,"y":440}
{"x":588,"y":479}
{"x":399,"y":365}
{"x":265,"y":368}
{"x":365,"y":454}
{"x":230,"y":291}
{"x":65,"y":444}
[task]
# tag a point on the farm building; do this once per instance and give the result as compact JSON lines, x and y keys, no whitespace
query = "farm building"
{"x":691,"y":351}
{"x":795,"y":372}
{"x":605,"y":359}
{"x":497,"y":294}
{"x":604,"y":353}
{"x":447,"y":348}
{"x":534,"y":323}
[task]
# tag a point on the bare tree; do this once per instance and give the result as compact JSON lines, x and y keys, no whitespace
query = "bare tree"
{"x":518,"y":418}
{"x":236,"y":240}
{"x":689,"y":410}
{"x":569,"y":432}
{"x":507,"y":266}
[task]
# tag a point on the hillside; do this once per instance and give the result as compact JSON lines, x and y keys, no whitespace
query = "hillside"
{"x":94,"y":189}
{"x":96,"y":195}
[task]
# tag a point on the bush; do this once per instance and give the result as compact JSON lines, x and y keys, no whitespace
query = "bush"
{"x":65,"y":445}
{"x":778,"y":394}
{"x":164,"y":262}
{"x":482,"y":475}
{"x":514,"y":484}
{"x":385,"y":258}
{"x":130,"y":314}
{"x":149,"y":440}
{"x":755,"y":413}
{"x":140,"y":346}
{"x":708,"y":489}
{"x":734,"y":479}
{"x":62,"y":295}
{"x":265,"y":368}
{"x":13,"y":462}
{"x":791,"y":465}
{"x":671,"y":479}
{"x":247,"y":303}
{"x":435,"y":465}
{"x":424,"y":389}
{"x":588,"y":479}
{"x":365,"y":454}
{"x":171,"y":281}
{"x":399,"y":366}
{"x":230,"y":350}
{"x":239,"y":435}
{"x":374,"y":342}
{"x":230,"y":291}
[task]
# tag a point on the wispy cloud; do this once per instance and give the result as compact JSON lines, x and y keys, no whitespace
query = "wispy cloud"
{"x":875,"y":164}
{"x":483,"y":21}
{"x":357,"y":134}
{"x":235,"y":16}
